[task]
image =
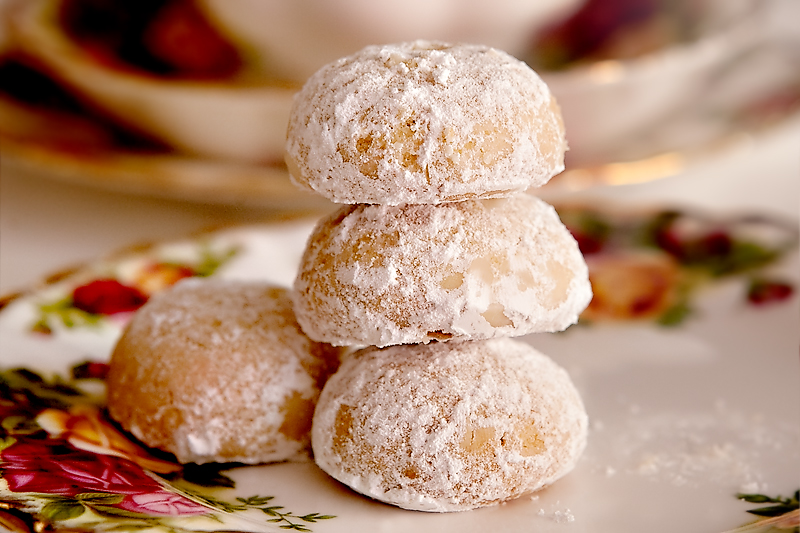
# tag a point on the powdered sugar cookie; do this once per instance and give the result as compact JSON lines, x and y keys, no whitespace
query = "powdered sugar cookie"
{"x":424,"y":122}
{"x":449,"y":426}
{"x":219,"y":371}
{"x":381,"y":275}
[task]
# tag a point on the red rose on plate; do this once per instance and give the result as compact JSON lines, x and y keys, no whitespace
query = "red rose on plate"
{"x":763,"y":292}
{"x":107,"y":297}
{"x":57,"y":468}
{"x":162,"y":503}
{"x":39,"y":466}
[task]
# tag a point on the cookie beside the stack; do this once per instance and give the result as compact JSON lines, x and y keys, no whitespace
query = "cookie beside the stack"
{"x":439,"y":258}
{"x":217,"y":370}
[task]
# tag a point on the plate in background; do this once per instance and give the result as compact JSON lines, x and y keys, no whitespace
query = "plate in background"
{"x":756,"y":92}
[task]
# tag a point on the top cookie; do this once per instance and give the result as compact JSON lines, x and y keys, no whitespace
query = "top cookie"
{"x":424,"y":123}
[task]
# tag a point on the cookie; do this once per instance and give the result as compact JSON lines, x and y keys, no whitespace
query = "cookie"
{"x":219,"y":371}
{"x":424,"y":122}
{"x":449,"y":426}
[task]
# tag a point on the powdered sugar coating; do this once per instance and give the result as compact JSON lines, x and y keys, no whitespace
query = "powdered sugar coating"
{"x":449,"y":426}
{"x":424,"y":122}
{"x":382,"y":275}
{"x":219,"y":371}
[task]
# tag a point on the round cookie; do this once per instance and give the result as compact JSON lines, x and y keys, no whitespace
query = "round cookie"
{"x":219,"y":371}
{"x":382,"y":275}
{"x":424,"y":122}
{"x":449,"y":426}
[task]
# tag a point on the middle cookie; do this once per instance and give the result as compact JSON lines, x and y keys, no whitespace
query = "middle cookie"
{"x":382,"y":275}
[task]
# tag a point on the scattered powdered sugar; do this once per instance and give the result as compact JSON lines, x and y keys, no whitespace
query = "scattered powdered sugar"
{"x":424,"y":122}
{"x":564,"y":516}
{"x":382,"y":275}
{"x":722,"y":447}
{"x":560,"y":516}
{"x":449,"y":426}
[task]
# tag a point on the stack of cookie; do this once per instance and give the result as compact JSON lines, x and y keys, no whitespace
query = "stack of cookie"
{"x":438,"y":258}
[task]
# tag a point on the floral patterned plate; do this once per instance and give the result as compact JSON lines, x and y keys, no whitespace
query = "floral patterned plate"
{"x":686,"y":359}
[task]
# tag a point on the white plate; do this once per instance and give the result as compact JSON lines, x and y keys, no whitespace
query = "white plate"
{"x":682,"y":418}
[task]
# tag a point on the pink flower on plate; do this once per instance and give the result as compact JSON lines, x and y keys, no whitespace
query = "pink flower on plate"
{"x":57,"y":468}
{"x":632,"y":286}
{"x":54,"y":467}
{"x":162,"y":503}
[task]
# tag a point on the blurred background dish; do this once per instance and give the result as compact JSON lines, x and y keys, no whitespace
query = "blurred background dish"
{"x":170,"y":76}
{"x":295,"y":38}
{"x":636,"y":78}
{"x":176,"y":98}
{"x":616,"y":75}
